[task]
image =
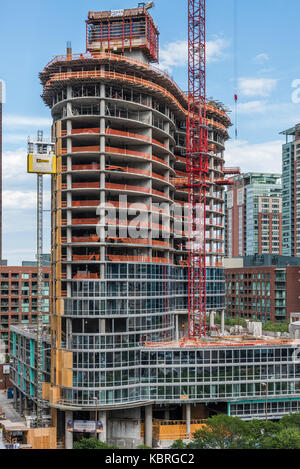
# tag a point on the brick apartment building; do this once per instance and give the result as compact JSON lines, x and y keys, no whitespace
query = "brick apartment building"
{"x":265,"y":287}
{"x":18,"y":299}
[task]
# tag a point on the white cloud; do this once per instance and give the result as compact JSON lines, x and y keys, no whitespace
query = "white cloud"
{"x":251,"y":87}
{"x":175,"y":54}
{"x":215,"y":50}
{"x":277,"y":116}
{"x":26,"y":121}
{"x":14,"y":138}
{"x":261,"y":58}
{"x":14,"y":165}
{"x":252,"y":107}
{"x":18,"y":199}
{"x":259,"y":157}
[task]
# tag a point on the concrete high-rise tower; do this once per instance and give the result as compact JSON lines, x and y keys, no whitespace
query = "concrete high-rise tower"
{"x":119,"y":244}
{"x":254,"y":215}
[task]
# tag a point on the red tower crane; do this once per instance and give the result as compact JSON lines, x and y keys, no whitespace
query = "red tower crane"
{"x":197,"y":166}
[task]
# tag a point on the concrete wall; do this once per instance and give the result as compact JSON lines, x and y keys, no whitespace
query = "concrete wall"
{"x":124,"y":428}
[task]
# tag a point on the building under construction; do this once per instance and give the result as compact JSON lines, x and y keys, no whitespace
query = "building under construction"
{"x":120,"y":247}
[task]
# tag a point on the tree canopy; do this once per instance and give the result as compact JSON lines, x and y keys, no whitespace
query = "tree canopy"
{"x":224,"y":432}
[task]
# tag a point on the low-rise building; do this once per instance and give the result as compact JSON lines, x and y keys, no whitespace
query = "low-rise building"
{"x":183,"y":383}
{"x":23,"y":360}
{"x":18,"y":298}
{"x":264,"y":287}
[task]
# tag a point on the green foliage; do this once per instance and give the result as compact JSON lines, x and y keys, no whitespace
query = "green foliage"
{"x":143,"y":447}
{"x":287,"y":438}
{"x":92,"y":443}
{"x":223,"y":432}
{"x":292,"y":420}
{"x":220,"y":432}
{"x":276,"y":326}
{"x":267,"y":326}
{"x":178,"y":444}
{"x":230,"y":321}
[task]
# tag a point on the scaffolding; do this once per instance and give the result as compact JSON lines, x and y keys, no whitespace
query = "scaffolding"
{"x":40,"y":161}
{"x":121,"y":30}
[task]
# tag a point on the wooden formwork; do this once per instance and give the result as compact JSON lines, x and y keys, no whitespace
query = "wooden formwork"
{"x":42,"y":438}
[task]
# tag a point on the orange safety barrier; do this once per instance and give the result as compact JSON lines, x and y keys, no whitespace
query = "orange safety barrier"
{"x":160,"y":260}
{"x":98,"y":74}
{"x":85,"y":203}
{"x":161,"y":194}
{"x":91,"y":257}
{"x":85,"y":149}
{"x":127,"y":134}
{"x":181,"y":159}
{"x":126,"y":187}
{"x":146,"y":259}
{"x":85,"y":221}
{"x":85,"y":131}
{"x":138,"y":206}
{"x":86,"y":185}
{"x":158,"y":176}
{"x":85,"y":239}
{"x":164,"y":430}
{"x":128,"y":223}
{"x":114,"y":258}
{"x":145,"y":242}
{"x":118,"y":58}
{"x":131,"y":170}
{"x":123,"y":151}
{"x":79,"y":167}
{"x":86,"y":276}
{"x":158,"y":143}
{"x":159,"y":160}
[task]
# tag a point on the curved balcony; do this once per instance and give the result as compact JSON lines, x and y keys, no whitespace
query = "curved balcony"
{"x":82,"y":167}
{"x":138,"y":206}
{"x":124,"y":78}
{"x":131,"y":135}
{"x":127,"y":188}
{"x":137,"y":224}
{"x":142,"y":242}
{"x":157,"y":73}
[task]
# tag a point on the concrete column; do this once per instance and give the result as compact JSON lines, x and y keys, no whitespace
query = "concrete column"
{"x":167,"y":414}
{"x":148,"y":425}
{"x":212,"y":319}
{"x":103,"y":417}
{"x":21,"y":404}
{"x":222,"y":322}
{"x":176,"y":327}
{"x":25,"y":405}
{"x":15,"y":398}
{"x":68,"y":435}
{"x":188,"y":419}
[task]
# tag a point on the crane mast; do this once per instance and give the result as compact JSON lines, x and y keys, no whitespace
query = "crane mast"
{"x":197,"y":167}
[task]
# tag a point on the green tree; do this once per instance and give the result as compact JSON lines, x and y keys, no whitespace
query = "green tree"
{"x":178,"y":444}
{"x":291,"y":420}
{"x":220,"y":432}
{"x":258,"y":431}
{"x":92,"y":443}
{"x":287,"y":438}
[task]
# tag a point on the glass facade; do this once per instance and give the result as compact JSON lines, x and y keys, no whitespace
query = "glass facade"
{"x":202,"y":375}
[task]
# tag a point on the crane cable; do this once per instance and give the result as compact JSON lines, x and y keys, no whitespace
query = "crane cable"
{"x":235,"y":52}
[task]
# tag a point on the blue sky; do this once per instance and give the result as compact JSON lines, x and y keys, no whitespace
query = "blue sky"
{"x":32,"y":32}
